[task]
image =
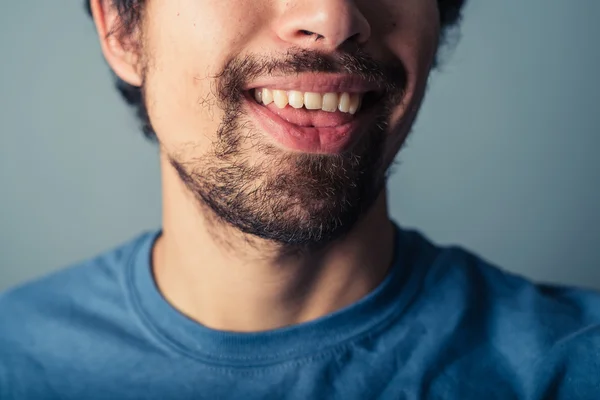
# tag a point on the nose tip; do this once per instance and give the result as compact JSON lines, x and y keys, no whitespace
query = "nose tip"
{"x":323,"y":24}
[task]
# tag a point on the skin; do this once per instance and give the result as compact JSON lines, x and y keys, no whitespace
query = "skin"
{"x":208,"y":269}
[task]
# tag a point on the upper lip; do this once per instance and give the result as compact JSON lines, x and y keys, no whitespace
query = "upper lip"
{"x":316,"y":82}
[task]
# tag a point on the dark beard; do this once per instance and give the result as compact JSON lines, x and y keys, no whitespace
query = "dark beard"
{"x":298,"y":200}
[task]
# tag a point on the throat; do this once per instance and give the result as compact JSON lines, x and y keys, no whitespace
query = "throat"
{"x":228,"y":292}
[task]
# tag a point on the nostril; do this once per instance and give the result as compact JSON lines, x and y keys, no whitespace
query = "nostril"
{"x":309,"y":33}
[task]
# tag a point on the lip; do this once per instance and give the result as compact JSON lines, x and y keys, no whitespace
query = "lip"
{"x":317,"y":82}
{"x":335,"y":139}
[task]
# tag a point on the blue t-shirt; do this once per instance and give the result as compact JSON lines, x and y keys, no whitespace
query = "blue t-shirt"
{"x":443,"y":325}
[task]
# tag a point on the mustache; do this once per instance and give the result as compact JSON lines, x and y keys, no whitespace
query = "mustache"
{"x":231,"y":81}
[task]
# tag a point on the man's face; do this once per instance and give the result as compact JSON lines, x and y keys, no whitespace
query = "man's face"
{"x":282,"y":117}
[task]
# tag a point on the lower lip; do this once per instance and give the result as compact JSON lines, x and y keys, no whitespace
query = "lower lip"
{"x":322,"y":140}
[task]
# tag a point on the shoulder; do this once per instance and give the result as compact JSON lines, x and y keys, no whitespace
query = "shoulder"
{"x":458,"y":275}
{"x":71,"y":287}
{"x":570,"y":368}
{"x":560,"y":310}
{"x":546,"y":337}
{"x":59,"y":313}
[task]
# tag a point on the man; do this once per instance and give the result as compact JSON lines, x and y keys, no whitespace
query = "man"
{"x":277,"y":273}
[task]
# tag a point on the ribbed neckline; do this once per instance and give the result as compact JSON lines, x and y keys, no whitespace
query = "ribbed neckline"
{"x":308,"y":339}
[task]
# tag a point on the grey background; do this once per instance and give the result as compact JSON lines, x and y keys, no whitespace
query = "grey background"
{"x":503,"y":159}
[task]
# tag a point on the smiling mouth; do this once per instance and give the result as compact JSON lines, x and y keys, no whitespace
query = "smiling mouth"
{"x":315,"y":113}
{"x":313,"y":122}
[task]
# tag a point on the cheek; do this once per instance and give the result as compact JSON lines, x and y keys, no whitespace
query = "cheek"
{"x":187,"y":43}
{"x":415,"y":36}
{"x":413,"y":39}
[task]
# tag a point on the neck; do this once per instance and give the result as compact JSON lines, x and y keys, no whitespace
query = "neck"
{"x":246,"y":285}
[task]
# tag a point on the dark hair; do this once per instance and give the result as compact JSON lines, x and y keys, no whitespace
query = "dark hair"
{"x":130,"y":12}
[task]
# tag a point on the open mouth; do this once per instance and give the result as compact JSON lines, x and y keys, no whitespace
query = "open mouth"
{"x":310,"y":121}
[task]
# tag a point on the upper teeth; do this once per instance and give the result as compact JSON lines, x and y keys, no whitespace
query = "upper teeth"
{"x":331,"y":102}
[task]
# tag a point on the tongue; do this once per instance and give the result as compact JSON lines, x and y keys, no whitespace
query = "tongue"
{"x":311,"y":118}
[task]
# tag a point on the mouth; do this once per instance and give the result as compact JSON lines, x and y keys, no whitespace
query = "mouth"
{"x":327,"y":118}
